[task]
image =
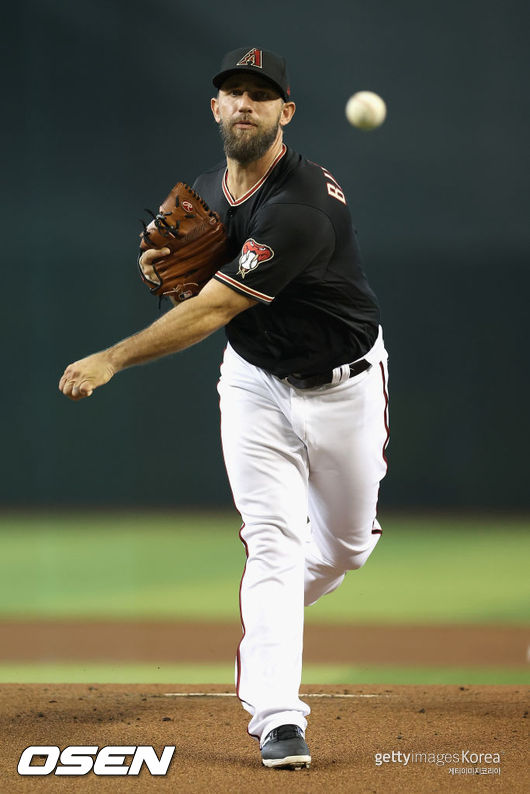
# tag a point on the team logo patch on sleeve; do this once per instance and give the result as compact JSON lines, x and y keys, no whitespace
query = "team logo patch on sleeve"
{"x":252,"y":254}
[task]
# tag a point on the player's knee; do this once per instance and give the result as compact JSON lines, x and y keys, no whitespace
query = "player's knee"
{"x":356,"y":560}
{"x":262,"y":537}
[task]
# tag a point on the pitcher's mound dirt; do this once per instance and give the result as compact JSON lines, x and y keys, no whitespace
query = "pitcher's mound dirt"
{"x":442,"y":729}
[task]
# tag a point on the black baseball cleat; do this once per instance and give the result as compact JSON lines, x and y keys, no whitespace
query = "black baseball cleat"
{"x":285,"y":748}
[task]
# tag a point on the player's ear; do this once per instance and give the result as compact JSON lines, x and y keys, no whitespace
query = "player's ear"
{"x":214,"y":104}
{"x":288,"y":111}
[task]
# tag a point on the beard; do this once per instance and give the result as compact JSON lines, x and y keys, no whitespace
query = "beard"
{"x":246,"y":146}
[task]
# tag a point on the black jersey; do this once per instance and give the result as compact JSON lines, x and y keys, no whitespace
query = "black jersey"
{"x":294,"y":251}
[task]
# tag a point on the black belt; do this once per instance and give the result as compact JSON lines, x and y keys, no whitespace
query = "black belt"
{"x":323,"y":378}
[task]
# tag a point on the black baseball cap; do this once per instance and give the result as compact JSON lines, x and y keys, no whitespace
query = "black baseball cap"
{"x":252,"y":60}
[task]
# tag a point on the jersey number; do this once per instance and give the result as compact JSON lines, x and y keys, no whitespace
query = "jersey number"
{"x":333,"y":187}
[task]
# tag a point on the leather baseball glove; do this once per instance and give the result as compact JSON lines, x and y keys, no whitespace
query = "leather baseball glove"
{"x":197,"y":241}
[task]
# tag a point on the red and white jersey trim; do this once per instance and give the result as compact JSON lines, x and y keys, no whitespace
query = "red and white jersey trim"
{"x":260,"y":296}
{"x":228,"y":195}
{"x":387,"y":426}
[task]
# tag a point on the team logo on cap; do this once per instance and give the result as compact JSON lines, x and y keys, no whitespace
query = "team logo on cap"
{"x":252,"y":58}
{"x":251,"y":255}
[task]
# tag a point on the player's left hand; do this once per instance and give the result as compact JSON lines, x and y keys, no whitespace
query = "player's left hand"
{"x":81,"y":377}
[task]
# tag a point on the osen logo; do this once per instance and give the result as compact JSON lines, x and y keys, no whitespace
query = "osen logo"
{"x":80,"y":760}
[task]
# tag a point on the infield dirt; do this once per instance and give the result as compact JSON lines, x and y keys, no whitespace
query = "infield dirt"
{"x":171,"y":641}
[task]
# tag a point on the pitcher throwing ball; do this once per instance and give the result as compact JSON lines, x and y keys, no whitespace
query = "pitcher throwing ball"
{"x":303,"y":386}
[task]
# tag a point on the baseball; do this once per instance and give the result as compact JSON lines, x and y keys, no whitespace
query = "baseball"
{"x":366,"y":110}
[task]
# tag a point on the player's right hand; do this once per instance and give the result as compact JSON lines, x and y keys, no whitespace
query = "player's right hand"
{"x":146,"y":262}
{"x":81,"y":377}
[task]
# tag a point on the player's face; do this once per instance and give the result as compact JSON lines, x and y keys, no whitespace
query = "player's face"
{"x":250,"y":113}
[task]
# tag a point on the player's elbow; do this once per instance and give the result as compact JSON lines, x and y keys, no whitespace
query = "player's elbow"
{"x":223,"y":303}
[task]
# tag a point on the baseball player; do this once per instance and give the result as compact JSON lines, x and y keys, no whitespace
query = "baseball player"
{"x":303,"y":386}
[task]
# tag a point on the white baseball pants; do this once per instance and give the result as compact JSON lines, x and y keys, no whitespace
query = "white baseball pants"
{"x":293,"y":455}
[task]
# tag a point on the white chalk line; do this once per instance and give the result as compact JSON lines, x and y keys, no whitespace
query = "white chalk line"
{"x":233,"y":695}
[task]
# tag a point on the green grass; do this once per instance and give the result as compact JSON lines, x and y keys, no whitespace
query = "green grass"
{"x":224,"y":674}
{"x":188,"y":566}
